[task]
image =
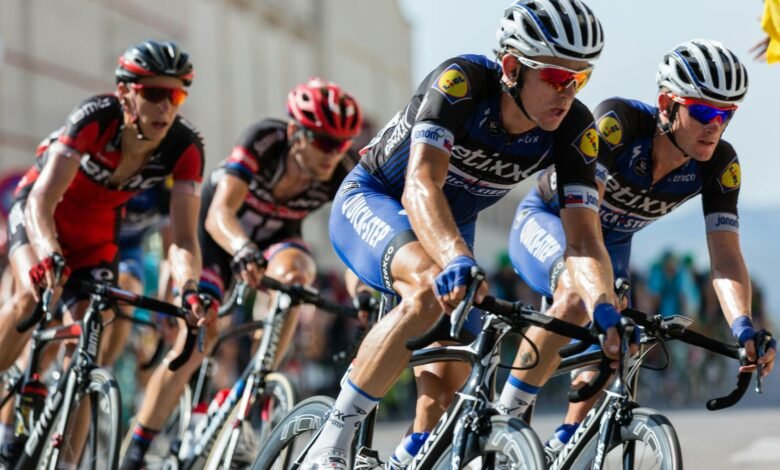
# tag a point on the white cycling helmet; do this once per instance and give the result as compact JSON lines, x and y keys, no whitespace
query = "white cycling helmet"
{"x":703,"y":69}
{"x":559,"y":28}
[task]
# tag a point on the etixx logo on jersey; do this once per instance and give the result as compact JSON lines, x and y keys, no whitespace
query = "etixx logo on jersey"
{"x":608,"y":126}
{"x":730,"y":178}
{"x":587,"y":144}
{"x":453,"y":84}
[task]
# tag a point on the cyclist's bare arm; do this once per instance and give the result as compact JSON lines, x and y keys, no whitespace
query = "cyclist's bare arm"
{"x":731,"y":282}
{"x":221,"y":221}
{"x":587,"y":259}
{"x":46,"y":193}
{"x":184,"y":253}
{"x":429,"y":212}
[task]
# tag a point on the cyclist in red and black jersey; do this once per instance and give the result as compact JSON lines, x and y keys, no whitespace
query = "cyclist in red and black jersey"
{"x":253,"y":207}
{"x":68,"y":206}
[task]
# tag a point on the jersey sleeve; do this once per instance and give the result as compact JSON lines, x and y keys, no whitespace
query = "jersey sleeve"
{"x":245,"y":160}
{"x":613,"y":119}
{"x":720,"y":193}
{"x":448,"y":96}
{"x":86,"y":124}
{"x":576,"y":148}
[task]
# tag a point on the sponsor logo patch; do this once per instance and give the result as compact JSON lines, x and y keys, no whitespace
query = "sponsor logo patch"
{"x":587,"y":144}
{"x":609,"y":128}
{"x":453,"y":84}
{"x":431,"y":134}
{"x":730,"y":178}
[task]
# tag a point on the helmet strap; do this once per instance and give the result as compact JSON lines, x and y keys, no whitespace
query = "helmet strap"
{"x":514,"y":92}
{"x":666,"y":127}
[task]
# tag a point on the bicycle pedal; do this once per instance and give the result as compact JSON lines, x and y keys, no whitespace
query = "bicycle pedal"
{"x":367,"y":459}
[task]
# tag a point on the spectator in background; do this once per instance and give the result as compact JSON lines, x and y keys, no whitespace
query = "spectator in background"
{"x":672,"y":287}
{"x":768,"y":49}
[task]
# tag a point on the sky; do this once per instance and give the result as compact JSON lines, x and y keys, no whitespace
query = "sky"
{"x":638,"y":34}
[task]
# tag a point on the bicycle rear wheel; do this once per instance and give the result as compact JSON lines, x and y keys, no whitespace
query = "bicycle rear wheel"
{"x":293,"y":433}
{"x":95,"y":408}
{"x":240,"y":438}
{"x":650,"y":439}
{"x":510,"y":444}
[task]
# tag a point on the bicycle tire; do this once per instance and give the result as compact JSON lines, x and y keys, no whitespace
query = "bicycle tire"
{"x":101,"y":448}
{"x":648,"y":428}
{"x":239,"y":441}
{"x":295,"y":429}
{"x":509,"y":437}
{"x":174,"y":429}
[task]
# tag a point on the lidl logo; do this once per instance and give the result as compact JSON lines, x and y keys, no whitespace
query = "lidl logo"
{"x":588,"y":144}
{"x":453,"y":84}
{"x":730,"y":178}
{"x":610,"y":130}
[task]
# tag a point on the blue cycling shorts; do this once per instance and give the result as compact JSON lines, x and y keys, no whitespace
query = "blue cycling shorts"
{"x":368,"y":227}
{"x":131,"y":261}
{"x":537,"y":243}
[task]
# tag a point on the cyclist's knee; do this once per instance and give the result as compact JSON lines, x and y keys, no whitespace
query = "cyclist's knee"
{"x":420,"y":305}
{"x":292,"y":266}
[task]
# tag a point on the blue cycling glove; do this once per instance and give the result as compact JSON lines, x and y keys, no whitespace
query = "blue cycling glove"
{"x":456,"y":273}
{"x":606,"y":316}
{"x":743,"y":331}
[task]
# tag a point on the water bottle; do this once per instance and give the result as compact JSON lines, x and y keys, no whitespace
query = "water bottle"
{"x":408,"y":448}
{"x":31,"y":402}
{"x":197,"y":420}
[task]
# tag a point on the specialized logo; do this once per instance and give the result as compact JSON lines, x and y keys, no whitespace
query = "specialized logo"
{"x":453,"y":84}
{"x":610,"y":130}
{"x":730,"y":178}
{"x":587,"y":144}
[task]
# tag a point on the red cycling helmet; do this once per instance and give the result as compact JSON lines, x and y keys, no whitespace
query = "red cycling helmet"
{"x":324,"y":108}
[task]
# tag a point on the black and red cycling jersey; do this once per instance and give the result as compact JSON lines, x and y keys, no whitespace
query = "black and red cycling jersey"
{"x":88,"y":215}
{"x":259,"y":158}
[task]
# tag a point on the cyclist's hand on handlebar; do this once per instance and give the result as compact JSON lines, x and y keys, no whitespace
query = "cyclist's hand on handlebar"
{"x":606,"y":318}
{"x":196,"y":311}
{"x":746,"y":335}
{"x":51,"y":272}
{"x":249,"y":264}
{"x":366,"y":304}
{"x":453,"y":281}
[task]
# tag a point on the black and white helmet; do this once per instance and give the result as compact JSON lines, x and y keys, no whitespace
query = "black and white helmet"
{"x":705,"y":70}
{"x":154,"y":59}
{"x":559,"y":28}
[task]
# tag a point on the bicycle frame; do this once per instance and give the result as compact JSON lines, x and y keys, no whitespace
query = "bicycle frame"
{"x":89,"y":332}
{"x":252,"y":381}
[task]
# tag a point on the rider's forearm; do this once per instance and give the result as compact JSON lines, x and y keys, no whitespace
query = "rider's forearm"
{"x":225,"y":228}
{"x":588,"y":262}
{"x":732,"y":285}
{"x":431,"y":219}
{"x":39,"y":215}
{"x":185,"y":261}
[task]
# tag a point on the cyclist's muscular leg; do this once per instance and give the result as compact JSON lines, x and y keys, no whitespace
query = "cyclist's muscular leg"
{"x":436,"y":387}
{"x":291,"y":266}
{"x":523,"y":385}
{"x":20,"y":305}
{"x":165,"y":386}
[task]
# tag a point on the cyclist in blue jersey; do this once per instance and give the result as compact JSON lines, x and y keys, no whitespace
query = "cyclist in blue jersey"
{"x":652,"y":159}
{"x":404,"y":219}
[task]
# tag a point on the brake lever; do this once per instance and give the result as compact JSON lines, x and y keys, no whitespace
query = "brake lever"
{"x":761,"y":347}
{"x":460,"y":314}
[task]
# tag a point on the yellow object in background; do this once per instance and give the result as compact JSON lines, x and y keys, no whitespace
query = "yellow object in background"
{"x":770,"y":23}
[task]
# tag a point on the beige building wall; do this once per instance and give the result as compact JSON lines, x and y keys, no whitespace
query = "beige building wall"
{"x":247,"y":55}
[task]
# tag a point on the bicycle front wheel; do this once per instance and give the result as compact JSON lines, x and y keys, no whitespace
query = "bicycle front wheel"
{"x":649,"y":441}
{"x":240,"y":438}
{"x":92,"y":428}
{"x":510,"y":444}
{"x":292,"y":435}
